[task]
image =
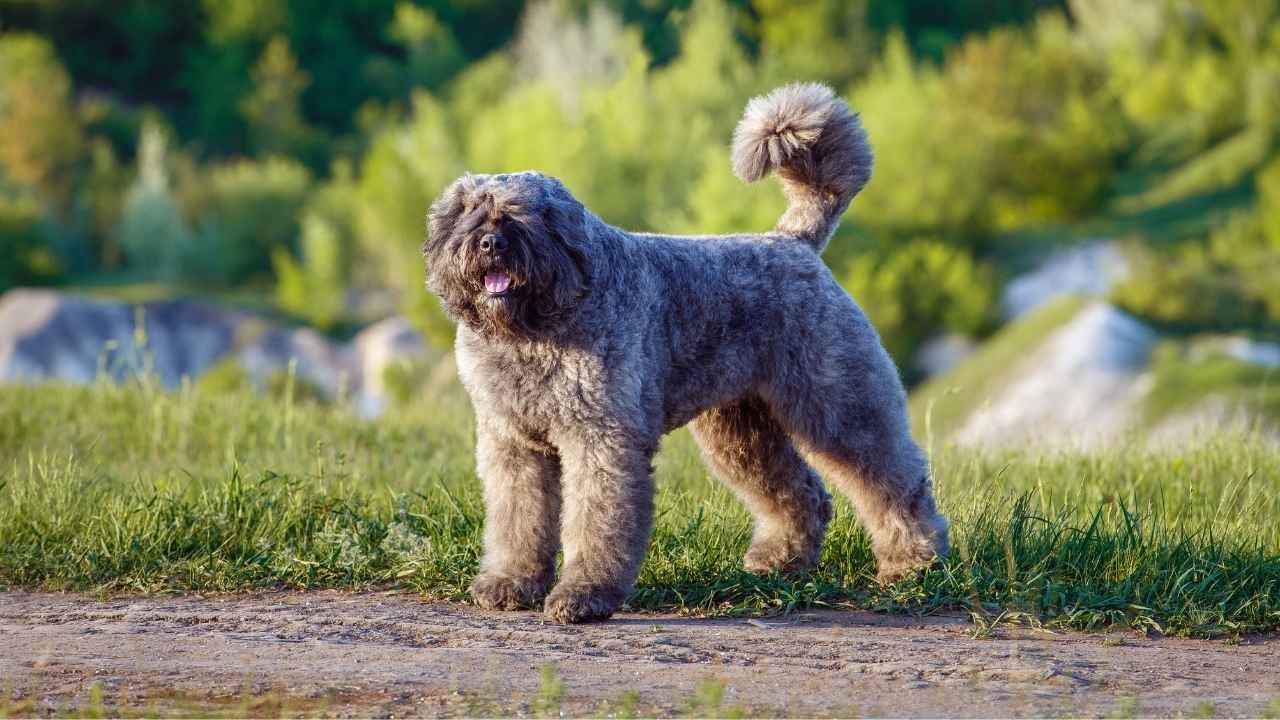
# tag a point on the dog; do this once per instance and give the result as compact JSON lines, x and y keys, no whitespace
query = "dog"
{"x":581,"y":344}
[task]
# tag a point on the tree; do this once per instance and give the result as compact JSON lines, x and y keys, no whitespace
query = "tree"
{"x":823,"y":40}
{"x":432,"y":52}
{"x":959,"y":296}
{"x":274,"y":109}
{"x":152,"y":233}
{"x":40,"y":136}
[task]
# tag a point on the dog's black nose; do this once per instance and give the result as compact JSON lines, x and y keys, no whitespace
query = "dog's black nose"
{"x":492,"y":244}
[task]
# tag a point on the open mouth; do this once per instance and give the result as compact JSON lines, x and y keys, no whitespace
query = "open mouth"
{"x":496,"y":282}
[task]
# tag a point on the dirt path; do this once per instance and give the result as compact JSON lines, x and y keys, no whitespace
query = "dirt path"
{"x":394,"y":655}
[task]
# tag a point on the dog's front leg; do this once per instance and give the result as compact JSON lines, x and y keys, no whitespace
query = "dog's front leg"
{"x":607,"y":516}
{"x":521,"y":524}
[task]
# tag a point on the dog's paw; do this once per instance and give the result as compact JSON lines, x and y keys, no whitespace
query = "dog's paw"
{"x":581,"y":603}
{"x":499,"y":592}
{"x":770,"y":556}
{"x":891,"y":572}
{"x":928,"y":549}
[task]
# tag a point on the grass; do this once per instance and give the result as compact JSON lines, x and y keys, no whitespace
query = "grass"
{"x":132,"y":489}
{"x":1181,"y":381}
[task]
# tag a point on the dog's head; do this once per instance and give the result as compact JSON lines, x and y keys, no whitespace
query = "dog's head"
{"x":507,"y":254}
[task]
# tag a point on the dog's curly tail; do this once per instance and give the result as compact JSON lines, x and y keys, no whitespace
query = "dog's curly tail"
{"x":819,"y":149}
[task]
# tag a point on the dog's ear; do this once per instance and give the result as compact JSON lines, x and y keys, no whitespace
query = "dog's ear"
{"x":445,"y":211}
{"x":563,"y":222}
{"x":564,"y":216}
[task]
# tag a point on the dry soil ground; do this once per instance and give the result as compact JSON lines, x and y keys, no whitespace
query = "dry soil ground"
{"x":395,"y":655}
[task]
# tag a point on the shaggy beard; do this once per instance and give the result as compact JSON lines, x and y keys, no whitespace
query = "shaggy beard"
{"x":544,"y":284}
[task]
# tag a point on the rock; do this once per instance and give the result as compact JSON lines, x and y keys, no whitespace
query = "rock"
{"x":1079,"y":388}
{"x":1089,"y":270}
{"x":49,"y":335}
{"x":324,"y":364}
{"x":376,"y":348}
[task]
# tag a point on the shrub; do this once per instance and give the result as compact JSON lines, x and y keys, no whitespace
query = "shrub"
{"x":404,"y":170}
{"x":102,"y":197}
{"x":1015,"y":129}
{"x":315,"y":287}
{"x":26,"y":248}
{"x":314,"y":284}
{"x":40,"y":134}
{"x":958,"y":296}
{"x":228,"y":377}
{"x":250,"y":209}
{"x":1188,"y":291}
{"x":274,"y":111}
{"x":1224,"y":282}
{"x":433,"y":54}
{"x":152,"y":233}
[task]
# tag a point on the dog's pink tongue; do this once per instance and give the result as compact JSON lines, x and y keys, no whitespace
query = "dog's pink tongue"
{"x":497,"y":282}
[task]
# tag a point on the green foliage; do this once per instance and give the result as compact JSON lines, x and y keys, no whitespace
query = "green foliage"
{"x":40,"y":134}
{"x":313,"y":289}
{"x":1226,"y":282}
{"x":550,"y":693}
{"x":708,"y":701}
{"x":314,"y":286}
{"x":404,"y":170}
{"x":1196,"y":289}
{"x":826,"y":40}
{"x":1187,"y":374}
{"x":26,"y":250}
{"x":959,"y":295}
{"x":1014,"y":128}
{"x":228,"y":378}
{"x":249,"y":209}
{"x":992,"y":123}
{"x":152,"y":233}
{"x":406,"y":382}
{"x":1203,"y":90}
{"x":433,"y":54}
{"x":192,"y":58}
{"x":273,"y":110}
{"x":230,"y":20}
{"x":102,"y":195}
{"x":1222,"y":166}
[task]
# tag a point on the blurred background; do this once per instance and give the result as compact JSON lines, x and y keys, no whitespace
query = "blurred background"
{"x":1073,"y":225}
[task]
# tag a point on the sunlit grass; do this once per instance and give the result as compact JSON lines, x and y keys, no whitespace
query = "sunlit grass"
{"x":133,"y":489}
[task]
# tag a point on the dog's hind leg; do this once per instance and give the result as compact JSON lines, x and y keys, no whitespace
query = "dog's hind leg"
{"x":751,"y":453}
{"x":521,"y":525}
{"x":891,"y":489}
{"x":847,"y":415}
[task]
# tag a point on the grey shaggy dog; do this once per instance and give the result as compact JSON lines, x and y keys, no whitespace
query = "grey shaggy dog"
{"x":582,"y":344}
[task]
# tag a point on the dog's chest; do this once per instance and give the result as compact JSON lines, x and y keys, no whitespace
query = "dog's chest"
{"x":536,"y":387}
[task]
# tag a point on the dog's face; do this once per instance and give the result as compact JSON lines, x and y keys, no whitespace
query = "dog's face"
{"x":506,"y":253}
